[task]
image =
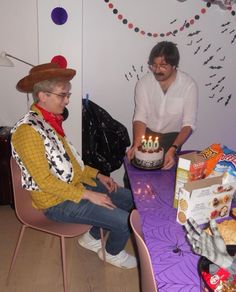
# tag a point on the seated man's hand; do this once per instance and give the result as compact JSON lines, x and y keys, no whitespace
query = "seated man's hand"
{"x":210,"y":246}
{"x":99,"y":199}
{"x":108,"y":182}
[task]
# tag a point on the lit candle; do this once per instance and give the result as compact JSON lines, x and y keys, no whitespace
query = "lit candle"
{"x":156,"y":143}
{"x":150,"y":143}
{"x":144,"y":142}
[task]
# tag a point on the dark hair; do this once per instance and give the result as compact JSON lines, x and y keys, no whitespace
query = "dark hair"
{"x":165,"y":49}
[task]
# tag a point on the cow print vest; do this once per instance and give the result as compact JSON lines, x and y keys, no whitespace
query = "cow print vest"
{"x":58,"y":160}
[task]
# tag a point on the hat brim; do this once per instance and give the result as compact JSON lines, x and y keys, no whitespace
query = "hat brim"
{"x":27,"y":83}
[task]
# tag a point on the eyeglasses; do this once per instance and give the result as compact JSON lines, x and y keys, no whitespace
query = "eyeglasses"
{"x":62,"y":95}
{"x":164,"y":67}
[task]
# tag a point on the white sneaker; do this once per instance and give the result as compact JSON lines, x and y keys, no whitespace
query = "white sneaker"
{"x":121,"y":260}
{"x":89,"y":242}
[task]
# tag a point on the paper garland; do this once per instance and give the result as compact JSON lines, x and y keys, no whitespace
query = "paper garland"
{"x":137,"y":29}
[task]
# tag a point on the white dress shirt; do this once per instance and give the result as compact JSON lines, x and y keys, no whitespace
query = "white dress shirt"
{"x":170,"y":111}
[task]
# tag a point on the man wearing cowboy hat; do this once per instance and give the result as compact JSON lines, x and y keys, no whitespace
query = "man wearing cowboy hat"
{"x":60,"y":184}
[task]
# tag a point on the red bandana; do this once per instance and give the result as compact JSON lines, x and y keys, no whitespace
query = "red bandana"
{"x":54,"y":120}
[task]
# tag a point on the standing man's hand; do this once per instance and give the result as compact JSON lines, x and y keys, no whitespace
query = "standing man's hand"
{"x":130,"y":153}
{"x":139,"y":129}
{"x":169,"y":159}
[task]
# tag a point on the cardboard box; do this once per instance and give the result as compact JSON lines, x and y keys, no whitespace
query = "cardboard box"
{"x":190,"y":167}
{"x":205,"y":199}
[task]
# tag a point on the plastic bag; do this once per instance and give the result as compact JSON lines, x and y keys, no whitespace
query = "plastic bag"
{"x":104,"y":140}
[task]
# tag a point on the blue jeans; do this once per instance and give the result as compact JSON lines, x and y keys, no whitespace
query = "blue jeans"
{"x":114,"y":220}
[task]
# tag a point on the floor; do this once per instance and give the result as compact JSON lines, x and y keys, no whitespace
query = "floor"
{"x":38,"y":265}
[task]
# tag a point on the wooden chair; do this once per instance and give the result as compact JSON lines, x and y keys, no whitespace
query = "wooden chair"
{"x":148,"y":283}
{"x":33,"y":218}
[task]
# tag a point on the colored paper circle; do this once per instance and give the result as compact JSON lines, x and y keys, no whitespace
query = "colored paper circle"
{"x":60,"y":60}
{"x":59,"y":15}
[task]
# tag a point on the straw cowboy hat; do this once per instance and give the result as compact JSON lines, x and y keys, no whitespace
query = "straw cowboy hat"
{"x":44,"y":72}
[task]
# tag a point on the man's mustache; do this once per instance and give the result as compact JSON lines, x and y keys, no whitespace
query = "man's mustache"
{"x":159,"y":74}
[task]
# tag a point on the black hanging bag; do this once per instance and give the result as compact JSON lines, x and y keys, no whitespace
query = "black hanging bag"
{"x":104,"y":140}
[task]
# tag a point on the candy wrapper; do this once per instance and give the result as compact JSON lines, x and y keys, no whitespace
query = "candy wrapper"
{"x":215,"y":278}
{"x":212,"y":154}
{"x":220,"y":281}
{"x":227,"y":161}
{"x":227,"y":165}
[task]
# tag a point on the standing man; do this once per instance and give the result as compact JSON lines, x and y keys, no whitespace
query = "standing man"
{"x":60,"y":184}
{"x":166,"y":103}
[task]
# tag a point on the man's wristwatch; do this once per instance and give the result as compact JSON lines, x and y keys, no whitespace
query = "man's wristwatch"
{"x":177,"y":148}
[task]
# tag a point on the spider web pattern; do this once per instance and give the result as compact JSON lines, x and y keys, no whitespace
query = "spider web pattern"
{"x":174,"y":264}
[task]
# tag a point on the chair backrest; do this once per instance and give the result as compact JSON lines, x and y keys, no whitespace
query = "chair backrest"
{"x":148,"y":283}
{"x":34,"y":218}
{"x":22,"y":200}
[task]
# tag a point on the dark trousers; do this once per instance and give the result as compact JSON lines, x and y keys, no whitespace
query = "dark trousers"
{"x":85,"y":212}
{"x":165,"y":140}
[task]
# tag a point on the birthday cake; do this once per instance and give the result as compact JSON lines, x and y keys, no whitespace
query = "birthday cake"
{"x":149,"y":154}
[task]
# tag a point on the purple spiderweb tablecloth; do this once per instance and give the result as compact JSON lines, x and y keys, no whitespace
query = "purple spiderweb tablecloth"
{"x":174,"y":264}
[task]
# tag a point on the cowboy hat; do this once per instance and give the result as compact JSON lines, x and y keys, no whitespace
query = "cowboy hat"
{"x":44,"y":72}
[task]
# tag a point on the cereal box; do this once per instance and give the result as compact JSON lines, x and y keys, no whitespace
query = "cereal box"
{"x":191,"y":167}
{"x":205,"y":199}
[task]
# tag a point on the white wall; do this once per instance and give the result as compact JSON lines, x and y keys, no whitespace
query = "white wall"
{"x":18,"y":31}
{"x":103,"y":50}
{"x":28,"y":32}
{"x":111,"y":50}
{"x":65,"y":40}
{"x":104,"y":77}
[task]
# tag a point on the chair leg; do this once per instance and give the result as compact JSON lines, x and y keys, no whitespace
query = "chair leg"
{"x":103,"y":244}
{"x":63,"y":256}
{"x":16,"y":251}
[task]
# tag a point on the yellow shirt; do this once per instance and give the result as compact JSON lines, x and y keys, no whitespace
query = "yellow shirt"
{"x":30,"y":147}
